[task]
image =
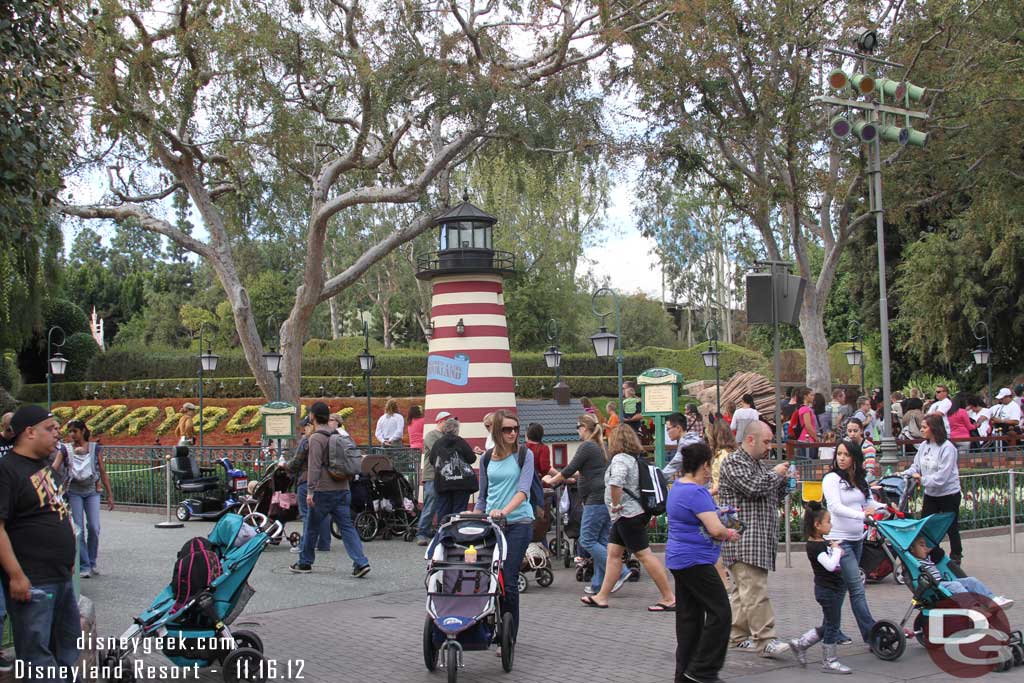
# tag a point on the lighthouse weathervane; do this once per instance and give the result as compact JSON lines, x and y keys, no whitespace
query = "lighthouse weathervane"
{"x":469,"y":367}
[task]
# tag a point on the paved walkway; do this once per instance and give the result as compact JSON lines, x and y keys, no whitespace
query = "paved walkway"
{"x":338,"y":628}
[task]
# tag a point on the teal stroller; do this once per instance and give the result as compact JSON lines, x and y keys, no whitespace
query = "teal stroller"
{"x":887,"y":639}
{"x":196,"y":634}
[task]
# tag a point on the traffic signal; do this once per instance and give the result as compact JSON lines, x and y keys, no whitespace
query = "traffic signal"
{"x":895,"y":134}
{"x":862,"y":84}
{"x":866,"y":131}
{"x":916,"y":138}
{"x":840,"y":127}
{"x":901,"y":90}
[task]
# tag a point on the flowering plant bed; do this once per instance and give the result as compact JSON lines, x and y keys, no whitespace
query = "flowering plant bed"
{"x":229,"y":421}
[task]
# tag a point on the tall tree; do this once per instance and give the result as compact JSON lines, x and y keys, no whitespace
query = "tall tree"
{"x":731,"y":103}
{"x":361,"y":104}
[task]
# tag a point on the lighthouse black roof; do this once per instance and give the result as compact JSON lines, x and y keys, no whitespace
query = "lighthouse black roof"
{"x":465,"y":212}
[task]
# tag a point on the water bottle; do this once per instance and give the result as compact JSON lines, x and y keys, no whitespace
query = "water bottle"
{"x":791,"y":481}
{"x":471,"y":554}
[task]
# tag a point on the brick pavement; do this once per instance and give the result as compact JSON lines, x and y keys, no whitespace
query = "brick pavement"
{"x":370,"y":630}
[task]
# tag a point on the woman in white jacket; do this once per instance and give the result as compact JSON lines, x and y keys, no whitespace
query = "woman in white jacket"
{"x":935,"y":468}
{"x":849,"y":502}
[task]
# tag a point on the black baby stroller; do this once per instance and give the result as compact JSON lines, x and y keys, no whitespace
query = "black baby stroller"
{"x":879,"y":559}
{"x":537,"y":558}
{"x":270,"y":499}
{"x":383,"y":502}
{"x":463,"y":594}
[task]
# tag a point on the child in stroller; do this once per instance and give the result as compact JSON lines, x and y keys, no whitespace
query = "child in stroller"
{"x":921,"y":549}
{"x":464,"y":583}
{"x":383,"y":502}
{"x":538,"y":558}
{"x":270,"y":499}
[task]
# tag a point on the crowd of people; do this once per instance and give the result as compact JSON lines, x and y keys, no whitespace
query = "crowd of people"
{"x":714,"y":576}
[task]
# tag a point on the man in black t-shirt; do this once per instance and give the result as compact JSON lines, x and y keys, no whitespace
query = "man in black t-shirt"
{"x":37,"y":548}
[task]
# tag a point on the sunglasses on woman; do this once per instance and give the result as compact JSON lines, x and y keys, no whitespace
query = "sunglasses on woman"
{"x":509,"y":430}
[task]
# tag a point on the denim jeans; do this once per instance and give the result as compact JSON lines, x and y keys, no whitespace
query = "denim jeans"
{"x":831,"y":602}
{"x":426,"y":527}
{"x":85,"y":510}
{"x":850,"y":567}
{"x":324,"y":542}
{"x":517,"y":537}
{"x":334,"y":505}
{"x":594,"y":530}
{"x":46,"y":629}
{"x":450,"y":503}
{"x":967,"y":584}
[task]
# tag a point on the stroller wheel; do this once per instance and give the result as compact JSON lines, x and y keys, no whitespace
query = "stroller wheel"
{"x":545,"y":577}
{"x":887,"y":640}
{"x":429,"y":651}
{"x":452,"y":664}
{"x":566,"y":555}
{"x":523,"y":583}
{"x":127,"y":674}
{"x":366,"y":525}
{"x":508,"y":645}
{"x":1018,"y":654}
{"x":248,"y":639}
{"x":182,"y":513}
{"x":579,"y":574}
{"x":409,"y":534}
{"x":244,"y":665}
{"x":294,"y":538}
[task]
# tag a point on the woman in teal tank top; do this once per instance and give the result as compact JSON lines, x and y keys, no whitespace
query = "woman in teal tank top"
{"x":505,"y":495}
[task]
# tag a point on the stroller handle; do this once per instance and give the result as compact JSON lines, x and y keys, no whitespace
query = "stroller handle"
{"x":274,"y":529}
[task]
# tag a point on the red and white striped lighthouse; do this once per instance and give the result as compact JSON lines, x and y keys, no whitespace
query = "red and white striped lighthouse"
{"x":469,"y":368}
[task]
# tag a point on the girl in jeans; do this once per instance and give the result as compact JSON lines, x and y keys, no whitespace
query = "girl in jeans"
{"x":86,"y":472}
{"x":849,"y":504}
{"x":505,"y":496}
{"x":825,"y":557}
{"x":589,"y":463}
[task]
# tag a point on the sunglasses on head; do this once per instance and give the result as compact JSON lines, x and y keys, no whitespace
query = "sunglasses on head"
{"x":509,"y":430}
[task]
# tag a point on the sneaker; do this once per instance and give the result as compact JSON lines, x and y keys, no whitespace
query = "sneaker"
{"x":745,"y":645}
{"x":301,"y":568}
{"x":1003,"y":602}
{"x":774,"y":648}
{"x":360,"y":572}
{"x":85,"y":574}
{"x":6,"y":663}
{"x":843,"y":639}
{"x":94,"y":571}
{"x":621,"y":582}
{"x":295,"y":550}
{"x":589,"y":590}
{"x":422,"y":540}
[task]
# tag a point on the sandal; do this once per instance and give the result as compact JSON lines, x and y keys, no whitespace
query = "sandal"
{"x":591,"y":602}
{"x":661,"y":607}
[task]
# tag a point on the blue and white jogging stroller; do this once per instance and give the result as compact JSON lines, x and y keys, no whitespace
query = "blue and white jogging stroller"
{"x":463,"y":598}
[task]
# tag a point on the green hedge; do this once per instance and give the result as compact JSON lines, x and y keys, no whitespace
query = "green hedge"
{"x":731,"y":359}
{"x":245,"y":387}
{"x":127,"y":365}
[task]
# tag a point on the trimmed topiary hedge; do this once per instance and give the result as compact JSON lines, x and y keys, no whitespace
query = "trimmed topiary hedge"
{"x":245,"y":387}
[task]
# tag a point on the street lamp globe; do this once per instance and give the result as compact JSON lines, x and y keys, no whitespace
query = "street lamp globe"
{"x":272,"y":360}
{"x":710,"y":358}
{"x":428,"y":330}
{"x":604,"y":343}
{"x":553,"y":357}
{"x":854,"y":357}
{"x":58,"y":364}
{"x":208,"y":360}
{"x":982,"y":356}
{"x":366,"y":361}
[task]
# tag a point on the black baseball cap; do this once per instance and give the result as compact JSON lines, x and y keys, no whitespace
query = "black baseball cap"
{"x":28,"y":416}
{"x":321,"y":411}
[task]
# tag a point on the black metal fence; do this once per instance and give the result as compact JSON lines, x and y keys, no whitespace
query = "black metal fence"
{"x":138,"y":474}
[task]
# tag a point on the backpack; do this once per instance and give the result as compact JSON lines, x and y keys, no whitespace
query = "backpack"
{"x":344,"y":460}
{"x":196,"y":568}
{"x":536,"y":487}
{"x":451,"y":472}
{"x":653,"y":492}
{"x":84,"y":468}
